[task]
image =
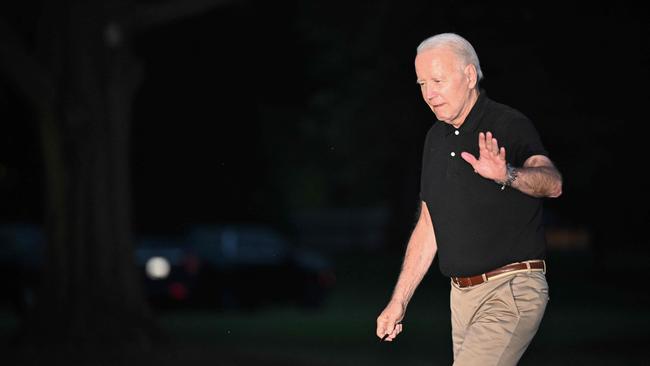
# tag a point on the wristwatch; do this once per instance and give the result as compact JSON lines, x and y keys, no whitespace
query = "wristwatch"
{"x":511,"y":176}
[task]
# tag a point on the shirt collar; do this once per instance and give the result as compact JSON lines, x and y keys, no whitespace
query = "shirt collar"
{"x":473,"y":117}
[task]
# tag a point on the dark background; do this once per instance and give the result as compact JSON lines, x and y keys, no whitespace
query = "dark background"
{"x":272,"y":113}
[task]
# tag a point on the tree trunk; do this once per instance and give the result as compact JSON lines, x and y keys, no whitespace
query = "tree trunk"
{"x":91,"y":293}
{"x":81,"y":80}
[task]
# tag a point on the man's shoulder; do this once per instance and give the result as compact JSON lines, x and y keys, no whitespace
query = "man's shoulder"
{"x":505,"y":113}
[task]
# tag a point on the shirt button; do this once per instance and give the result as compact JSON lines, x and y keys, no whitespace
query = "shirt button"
{"x":453,"y":153}
{"x":456,"y":133}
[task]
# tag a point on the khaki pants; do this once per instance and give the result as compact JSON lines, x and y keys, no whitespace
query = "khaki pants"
{"x":494,"y":322}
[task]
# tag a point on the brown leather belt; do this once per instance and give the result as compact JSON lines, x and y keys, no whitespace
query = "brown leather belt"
{"x":527,"y":266}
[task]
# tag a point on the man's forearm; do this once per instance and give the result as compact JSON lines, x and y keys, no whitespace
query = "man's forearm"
{"x":420,"y":252}
{"x":541,"y":181}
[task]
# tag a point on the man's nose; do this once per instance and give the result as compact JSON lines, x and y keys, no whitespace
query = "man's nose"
{"x":430,"y":92}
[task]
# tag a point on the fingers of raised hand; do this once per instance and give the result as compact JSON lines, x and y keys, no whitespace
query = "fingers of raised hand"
{"x":481,"y":141}
{"x":487,"y":143}
{"x":495,"y":146}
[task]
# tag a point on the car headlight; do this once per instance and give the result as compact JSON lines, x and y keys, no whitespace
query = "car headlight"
{"x":157,"y":268}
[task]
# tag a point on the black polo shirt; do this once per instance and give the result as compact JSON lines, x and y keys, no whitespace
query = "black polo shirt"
{"x":478,"y":226}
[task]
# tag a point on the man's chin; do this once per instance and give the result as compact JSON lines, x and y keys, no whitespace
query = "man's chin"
{"x":439,"y":117}
{"x":437,"y":112}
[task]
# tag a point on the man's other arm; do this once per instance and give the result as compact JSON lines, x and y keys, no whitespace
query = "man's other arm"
{"x":420,"y":251}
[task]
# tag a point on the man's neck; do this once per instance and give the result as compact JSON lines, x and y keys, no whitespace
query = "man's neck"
{"x":473,"y":97}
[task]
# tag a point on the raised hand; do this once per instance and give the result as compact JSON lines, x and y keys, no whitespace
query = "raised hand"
{"x":491,"y":163}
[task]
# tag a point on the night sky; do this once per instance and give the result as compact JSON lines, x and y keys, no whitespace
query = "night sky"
{"x":253,"y":111}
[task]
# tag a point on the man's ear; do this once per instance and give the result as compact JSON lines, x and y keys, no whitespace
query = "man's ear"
{"x":470,"y":75}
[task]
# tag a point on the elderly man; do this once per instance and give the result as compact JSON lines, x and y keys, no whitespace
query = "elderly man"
{"x":484,"y":175}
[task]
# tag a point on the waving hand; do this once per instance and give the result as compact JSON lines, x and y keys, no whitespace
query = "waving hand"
{"x":491,"y":163}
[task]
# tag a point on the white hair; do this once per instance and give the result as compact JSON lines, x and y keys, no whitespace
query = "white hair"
{"x":458,"y":44}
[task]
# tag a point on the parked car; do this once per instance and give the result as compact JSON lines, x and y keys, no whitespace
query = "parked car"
{"x":169,"y":270}
{"x":248,"y":266}
{"x":242,"y":266}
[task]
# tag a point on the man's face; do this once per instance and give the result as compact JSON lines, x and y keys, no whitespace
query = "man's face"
{"x":446,"y":85}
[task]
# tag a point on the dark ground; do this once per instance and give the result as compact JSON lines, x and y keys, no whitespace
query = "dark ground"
{"x":594,"y":317}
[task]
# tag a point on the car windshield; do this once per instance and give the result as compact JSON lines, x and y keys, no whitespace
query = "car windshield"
{"x":254,"y":245}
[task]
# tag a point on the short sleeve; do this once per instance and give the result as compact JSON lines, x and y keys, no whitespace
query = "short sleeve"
{"x":524,"y":142}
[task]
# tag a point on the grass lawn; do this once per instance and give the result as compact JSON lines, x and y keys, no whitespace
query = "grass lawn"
{"x":592,"y":318}
{"x":587,"y":322}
